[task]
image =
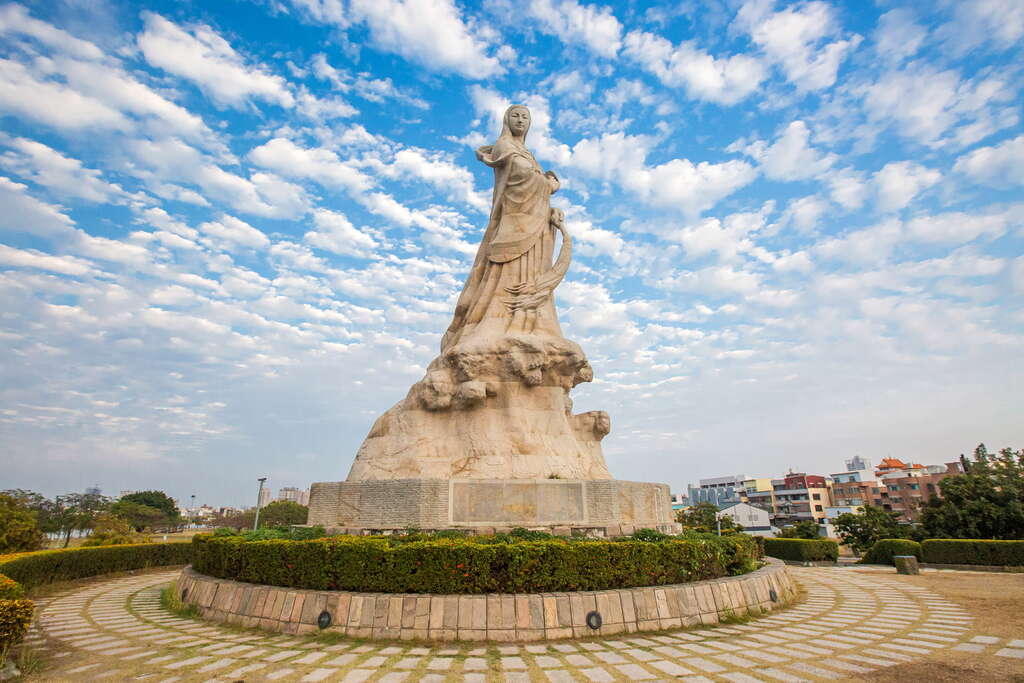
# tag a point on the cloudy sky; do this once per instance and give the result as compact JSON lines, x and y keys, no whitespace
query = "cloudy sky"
{"x":231,"y":233}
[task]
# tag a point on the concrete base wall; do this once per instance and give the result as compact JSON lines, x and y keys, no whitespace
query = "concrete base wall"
{"x":598,"y":507}
{"x":499,"y":617}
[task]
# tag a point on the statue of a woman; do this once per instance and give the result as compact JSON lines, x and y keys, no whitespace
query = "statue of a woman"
{"x":509,"y":287}
{"x":495,"y":403}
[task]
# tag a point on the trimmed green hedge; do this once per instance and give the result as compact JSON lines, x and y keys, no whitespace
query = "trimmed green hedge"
{"x":802,"y":549}
{"x":970,"y":551}
{"x":883,"y":551}
{"x":15,"y":614}
{"x":471,"y":565}
{"x":47,"y":566}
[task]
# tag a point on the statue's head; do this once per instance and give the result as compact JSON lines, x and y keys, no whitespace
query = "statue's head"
{"x":517,"y":120}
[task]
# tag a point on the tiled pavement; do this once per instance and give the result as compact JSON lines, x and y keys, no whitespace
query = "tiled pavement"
{"x":850,"y":623}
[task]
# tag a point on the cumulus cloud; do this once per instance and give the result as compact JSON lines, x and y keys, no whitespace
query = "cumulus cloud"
{"x":429,"y":32}
{"x":1000,"y":165}
{"x":571,"y":22}
{"x":725,"y":80}
{"x":46,"y":166}
{"x":25,"y":214}
{"x":798,"y":39}
{"x":205,"y":58}
{"x":898,"y":182}
{"x":335,"y":233}
{"x":790,"y":157}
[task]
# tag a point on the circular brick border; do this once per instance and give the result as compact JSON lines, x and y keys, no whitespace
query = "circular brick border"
{"x":498,"y":617}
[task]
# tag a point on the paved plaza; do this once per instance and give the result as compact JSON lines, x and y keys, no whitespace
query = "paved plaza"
{"x":850,"y":624}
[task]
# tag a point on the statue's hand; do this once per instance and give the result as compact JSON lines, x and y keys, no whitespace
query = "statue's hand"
{"x":557,"y":216}
{"x":553,"y":181}
{"x":521,"y":289}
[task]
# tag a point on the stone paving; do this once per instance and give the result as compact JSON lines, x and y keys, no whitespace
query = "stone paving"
{"x":850,"y":623}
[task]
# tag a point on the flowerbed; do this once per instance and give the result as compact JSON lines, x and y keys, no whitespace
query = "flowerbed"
{"x":472,"y":565}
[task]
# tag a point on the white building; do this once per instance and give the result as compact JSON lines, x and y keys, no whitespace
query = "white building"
{"x":754,"y":520}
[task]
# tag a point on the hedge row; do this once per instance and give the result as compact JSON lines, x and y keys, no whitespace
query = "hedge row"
{"x":802,"y":549}
{"x":969,"y":551}
{"x":883,"y":551}
{"x":47,"y":566}
{"x":461,"y":566}
{"x":15,"y":614}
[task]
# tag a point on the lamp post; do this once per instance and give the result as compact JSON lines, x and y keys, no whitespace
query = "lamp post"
{"x":259,"y":496}
{"x":192,"y":511}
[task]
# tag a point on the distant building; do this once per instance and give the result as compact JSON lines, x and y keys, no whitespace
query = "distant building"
{"x":754,"y":520}
{"x":799,"y":497}
{"x":265,"y":497}
{"x":718,"y":490}
{"x":93,"y":491}
{"x":680,"y":501}
{"x":125,"y":492}
{"x":295,"y":495}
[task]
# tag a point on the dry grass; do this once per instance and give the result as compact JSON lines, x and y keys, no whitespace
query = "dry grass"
{"x":996,"y":601}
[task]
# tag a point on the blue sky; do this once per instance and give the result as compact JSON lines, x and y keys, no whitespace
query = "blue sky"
{"x":232,"y":232}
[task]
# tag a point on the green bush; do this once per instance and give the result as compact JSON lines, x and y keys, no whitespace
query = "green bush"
{"x":883,"y":551}
{"x":10,"y":589}
{"x":47,"y":566}
{"x":470,"y":565}
{"x":802,"y":549}
{"x":970,"y":551}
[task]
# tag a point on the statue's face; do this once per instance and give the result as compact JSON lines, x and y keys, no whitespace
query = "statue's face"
{"x":519,"y":120}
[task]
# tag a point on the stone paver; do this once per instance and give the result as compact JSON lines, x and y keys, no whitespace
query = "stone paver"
{"x":851,"y":623}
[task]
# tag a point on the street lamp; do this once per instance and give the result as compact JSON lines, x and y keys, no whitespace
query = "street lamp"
{"x":259,"y":496}
{"x":192,"y":511}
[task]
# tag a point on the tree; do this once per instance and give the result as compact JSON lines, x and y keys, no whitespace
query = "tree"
{"x":861,"y":530}
{"x":156,"y":499}
{"x":109,"y":529}
{"x":283,"y":513}
{"x":703,"y":517}
{"x":74,"y":512}
{"x":985,"y":502}
{"x":139,"y":516}
{"x":235,"y":520}
{"x":803,"y":529}
{"x":19,"y":528}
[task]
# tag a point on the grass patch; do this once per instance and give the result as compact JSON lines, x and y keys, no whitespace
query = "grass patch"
{"x":170,"y":601}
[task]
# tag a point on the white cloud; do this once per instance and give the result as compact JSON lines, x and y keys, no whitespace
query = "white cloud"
{"x":898,"y":182}
{"x":430,"y":32}
{"x":847,"y":188}
{"x":235,"y":231}
{"x":927,"y":104}
{"x":15,"y":19}
{"x":868,"y":246}
{"x":335,"y":233}
{"x":572,"y":22}
{"x":992,"y":24}
{"x":725,"y":80}
{"x":46,"y":166}
{"x":52,"y":103}
{"x":898,"y":36}
{"x":797,"y":39}
{"x":30,"y":258}
{"x":791,"y":156}
{"x":957,"y":227}
{"x":203,"y":57}
{"x":436,"y":170}
{"x":1000,"y":165}
{"x":320,"y":165}
{"x":803,"y":213}
{"x":26,"y":214}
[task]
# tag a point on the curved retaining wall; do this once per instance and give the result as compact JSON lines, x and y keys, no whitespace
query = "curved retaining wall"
{"x":500,"y":617}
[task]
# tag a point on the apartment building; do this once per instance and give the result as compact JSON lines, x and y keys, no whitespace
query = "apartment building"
{"x":799,"y":496}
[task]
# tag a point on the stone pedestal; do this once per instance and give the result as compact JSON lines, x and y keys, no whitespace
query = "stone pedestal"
{"x":595,"y":507}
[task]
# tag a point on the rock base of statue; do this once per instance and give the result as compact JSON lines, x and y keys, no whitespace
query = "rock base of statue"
{"x":563,"y":506}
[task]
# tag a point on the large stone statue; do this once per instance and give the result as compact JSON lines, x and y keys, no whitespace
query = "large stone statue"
{"x":488,"y":436}
{"x":495,"y":404}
